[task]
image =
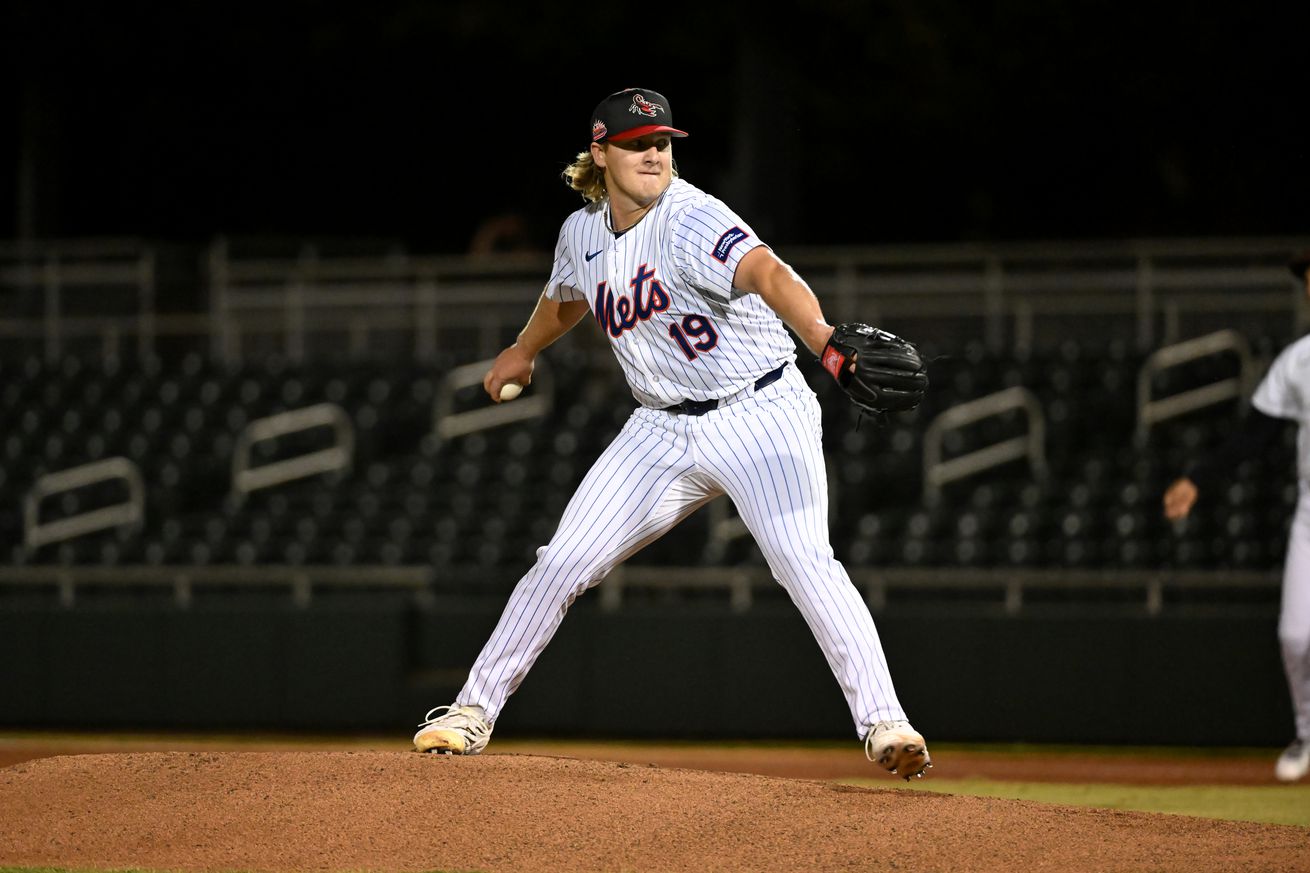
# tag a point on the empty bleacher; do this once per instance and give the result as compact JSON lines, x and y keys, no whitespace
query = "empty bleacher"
{"x":1073,"y":334}
{"x":490,"y":498}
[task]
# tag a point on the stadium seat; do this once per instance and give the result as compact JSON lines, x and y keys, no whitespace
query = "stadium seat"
{"x":411,"y":498}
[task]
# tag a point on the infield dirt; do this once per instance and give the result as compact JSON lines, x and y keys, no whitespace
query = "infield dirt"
{"x":398,"y":811}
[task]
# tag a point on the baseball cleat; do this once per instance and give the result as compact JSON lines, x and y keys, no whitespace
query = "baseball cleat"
{"x":457,"y":730}
{"x":898,"y":748}
{"x":1294,"y":763}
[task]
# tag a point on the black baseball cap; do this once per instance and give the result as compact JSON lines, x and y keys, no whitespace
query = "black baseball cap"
{"x":1299,"y":263}
{"x":631,"y":113}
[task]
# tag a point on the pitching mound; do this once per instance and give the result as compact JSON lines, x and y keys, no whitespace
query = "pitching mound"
{"x":398,"y":811}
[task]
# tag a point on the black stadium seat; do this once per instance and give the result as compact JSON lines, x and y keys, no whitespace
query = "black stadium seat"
{"x":489,"y":499}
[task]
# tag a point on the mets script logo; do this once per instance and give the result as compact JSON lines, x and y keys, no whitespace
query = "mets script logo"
{"x":642,"y":106}
{"x":617,"y":315}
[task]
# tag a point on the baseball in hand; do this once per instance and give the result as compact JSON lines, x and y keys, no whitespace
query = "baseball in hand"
{"x":510,"y":390}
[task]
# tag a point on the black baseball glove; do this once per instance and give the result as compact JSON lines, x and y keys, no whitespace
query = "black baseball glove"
{"x":889,"y":375}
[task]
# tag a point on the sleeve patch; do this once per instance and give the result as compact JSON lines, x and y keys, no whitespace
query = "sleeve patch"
{"x":729,"y":239}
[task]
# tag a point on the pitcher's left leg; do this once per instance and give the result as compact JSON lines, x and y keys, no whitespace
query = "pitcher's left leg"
{"x":767,"y":454}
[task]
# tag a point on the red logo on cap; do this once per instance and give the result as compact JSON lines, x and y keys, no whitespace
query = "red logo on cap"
{"x":598,"y":130}
{"x":642,"y":106}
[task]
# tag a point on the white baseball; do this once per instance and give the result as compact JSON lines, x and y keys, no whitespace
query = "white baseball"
{"x":510,"y":390}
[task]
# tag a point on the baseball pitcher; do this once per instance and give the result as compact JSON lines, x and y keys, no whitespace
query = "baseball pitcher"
{"x":696,"y":308}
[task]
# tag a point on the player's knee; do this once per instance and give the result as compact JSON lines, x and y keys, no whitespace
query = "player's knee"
{"x":816,"y":560}
{"x":565,"y":571}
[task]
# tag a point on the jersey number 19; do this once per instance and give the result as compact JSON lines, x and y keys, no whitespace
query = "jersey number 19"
{"x":698,"y":326}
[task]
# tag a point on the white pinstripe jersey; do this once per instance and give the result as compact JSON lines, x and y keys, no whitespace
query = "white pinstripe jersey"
{"x":662,"y":292}
{"x":1285,"y":393}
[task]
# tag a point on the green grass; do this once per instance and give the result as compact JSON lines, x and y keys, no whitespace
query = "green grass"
{"x":1273,"y":804}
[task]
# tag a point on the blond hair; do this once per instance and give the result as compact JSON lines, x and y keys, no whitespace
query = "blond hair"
{"x":588,"y":179}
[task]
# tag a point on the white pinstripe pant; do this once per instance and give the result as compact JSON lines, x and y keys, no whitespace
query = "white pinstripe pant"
{"x":1294,"y":616}
{"x":764,"y":450}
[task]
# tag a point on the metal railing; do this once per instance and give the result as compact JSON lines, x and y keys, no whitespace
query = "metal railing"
{"x":68,"y":281}
{"x":394,"y":295}
{"x":301,"y":582}
{"x":1000,"y":590}
{"x":1007,"y":591}
{"x":1009,"y":289}
{"x":537,"y":401}
{"x":1031,"y":445}
{"x":304,"y":304}
{"x":1152,"y":412}
{"x":128,"y":512}
{"x":247,"y":478}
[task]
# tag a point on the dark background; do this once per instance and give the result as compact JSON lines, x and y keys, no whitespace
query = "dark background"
{"x":909,"y":120}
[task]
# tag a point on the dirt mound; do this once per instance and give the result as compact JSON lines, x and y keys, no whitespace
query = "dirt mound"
{"x":398,"y":811}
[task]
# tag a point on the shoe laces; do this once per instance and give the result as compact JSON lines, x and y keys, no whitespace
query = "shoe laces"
{"x":878,"y":728}
{"x":468,"y":719}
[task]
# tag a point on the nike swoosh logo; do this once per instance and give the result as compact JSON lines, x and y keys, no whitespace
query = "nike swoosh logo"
{"x":593,"y":254}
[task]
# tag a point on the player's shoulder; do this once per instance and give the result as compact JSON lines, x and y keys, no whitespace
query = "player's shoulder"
{"x":1291,"y":365}
{"x":1296,"y":355}
{"x":696,"y":214}
{"x":583,"y":216}
{"x":684,"y":197}
{"x":1281,"y":392}
{"x":1294,"y":359}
